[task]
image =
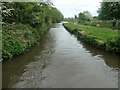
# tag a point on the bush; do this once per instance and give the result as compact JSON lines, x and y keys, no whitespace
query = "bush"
{"x":113,"y":45}
{"x":17,"y":39}
{"x":118,"y":25}
{"x":24,"y":24}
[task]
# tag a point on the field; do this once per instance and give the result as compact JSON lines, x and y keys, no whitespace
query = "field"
{"x":103,"y":24}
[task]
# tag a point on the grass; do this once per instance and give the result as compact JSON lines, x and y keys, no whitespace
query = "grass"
{"x":103,"y":24}
{"x":102,"y":38}
{"x":100,"y":33}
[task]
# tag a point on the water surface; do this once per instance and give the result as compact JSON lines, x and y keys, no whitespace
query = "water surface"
{"x":61,"y":61}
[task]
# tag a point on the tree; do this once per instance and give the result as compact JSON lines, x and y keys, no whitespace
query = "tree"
{"x":88,"y":15}
{"x":81,"y":18}
{"x":109,"y":10}
{"x":25,"y":23}
{"x":32,"y":13}
{"x":84,"y":16}
{"x":75,"y":16}
{"x":56,"y":15}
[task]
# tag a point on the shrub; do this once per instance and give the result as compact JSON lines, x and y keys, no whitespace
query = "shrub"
{"x":17,"y":39}
{"x":113,"y":44}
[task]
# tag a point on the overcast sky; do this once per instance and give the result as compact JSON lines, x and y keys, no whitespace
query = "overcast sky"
{"x":70,"y":8}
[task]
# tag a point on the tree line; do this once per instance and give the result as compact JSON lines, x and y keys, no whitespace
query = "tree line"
{"x":24,"y":23}
{"x":34,"y":14}
{"x":107,"y":11}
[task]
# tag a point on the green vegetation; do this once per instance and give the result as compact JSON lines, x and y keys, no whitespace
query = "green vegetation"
{"x":103,"y":24}
{"x":109,"y":10}
{"x":24,"y":24}
{"x":99,"y":37}
{"x":84,"y":17}
{"x":97,"y":30}
{"x":17,"y":39}
{"x":0,"y":44}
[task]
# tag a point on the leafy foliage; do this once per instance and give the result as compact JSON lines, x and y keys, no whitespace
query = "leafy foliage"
{"x":17,"y":39}
{"x":113,"y":44}
{"x":85,"y":16}
{"x":30,"y":13}
{"x":109,"y":10}
{"x":24,"y":24}
{"x":82,"y":18}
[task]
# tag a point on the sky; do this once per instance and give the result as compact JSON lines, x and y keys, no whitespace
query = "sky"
{"x":70,"y":8}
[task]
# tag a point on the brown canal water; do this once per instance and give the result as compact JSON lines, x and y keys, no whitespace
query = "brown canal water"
{"x":61,"y":61}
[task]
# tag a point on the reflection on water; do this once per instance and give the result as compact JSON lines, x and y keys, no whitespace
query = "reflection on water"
{"x":111,"y":60}
{"x":12,"y":70}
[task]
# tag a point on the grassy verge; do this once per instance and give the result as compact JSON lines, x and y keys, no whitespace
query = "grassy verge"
{"x":101,"y":38}
{"x":19,"y":38}
{"x":103,"y":24}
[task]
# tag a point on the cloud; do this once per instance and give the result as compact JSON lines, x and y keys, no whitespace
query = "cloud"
{"x":69,"y":8}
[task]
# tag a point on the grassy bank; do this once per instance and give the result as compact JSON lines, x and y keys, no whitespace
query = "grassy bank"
{"x":101,"y":38}
{"x":19,"y":38}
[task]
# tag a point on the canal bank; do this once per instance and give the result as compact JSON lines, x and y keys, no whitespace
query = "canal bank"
{"x":101,"y":38}
{"x":61,"y":61}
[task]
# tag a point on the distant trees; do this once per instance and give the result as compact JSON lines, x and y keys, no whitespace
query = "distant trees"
{"x":109,"y":10}
{"x":75,"y":16}
{"x":81,"y":17}
{"x":56,"y":15}
{"x":88,"y":15}
{"x":84,"y":16}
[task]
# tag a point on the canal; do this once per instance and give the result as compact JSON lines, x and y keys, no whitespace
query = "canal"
{"x":61,"y":61}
